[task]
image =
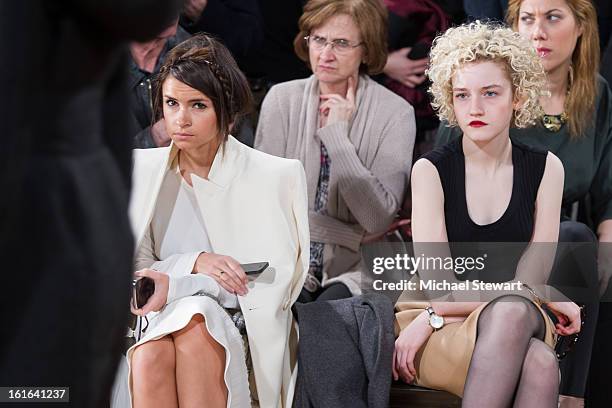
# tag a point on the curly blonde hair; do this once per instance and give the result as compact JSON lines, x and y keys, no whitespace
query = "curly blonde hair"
{"x":477,"y":42}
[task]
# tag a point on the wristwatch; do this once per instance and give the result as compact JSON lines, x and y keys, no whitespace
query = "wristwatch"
{"x":435,"y":321}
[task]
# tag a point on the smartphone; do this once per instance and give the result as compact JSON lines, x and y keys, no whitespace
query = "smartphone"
{"x":143,"y":289}
{"x":419,"y":51}
{"x":254,"y":268}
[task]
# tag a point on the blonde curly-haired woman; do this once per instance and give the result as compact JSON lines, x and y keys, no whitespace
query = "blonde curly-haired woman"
{"x":484,"y":187}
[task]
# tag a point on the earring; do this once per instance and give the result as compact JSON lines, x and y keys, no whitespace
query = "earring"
{"x":571,"y":76}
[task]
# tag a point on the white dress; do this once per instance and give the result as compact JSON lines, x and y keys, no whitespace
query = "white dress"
{"x":175,"y":238}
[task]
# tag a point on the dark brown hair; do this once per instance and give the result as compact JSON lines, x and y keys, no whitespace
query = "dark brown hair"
{"x":203,"y":63}
{"x":370,"y":16}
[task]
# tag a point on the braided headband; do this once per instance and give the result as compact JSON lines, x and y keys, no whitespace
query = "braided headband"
{"x":214,"y":69}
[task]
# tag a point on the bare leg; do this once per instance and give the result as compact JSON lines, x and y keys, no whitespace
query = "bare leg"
{"x":505,"y":329}
{"x":200,"y":364}
{"x":539,"y":383}
{"x":153,"y":374}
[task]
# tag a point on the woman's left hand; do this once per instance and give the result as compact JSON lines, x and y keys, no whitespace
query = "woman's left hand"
{"x":568,"y":314}
{"x":159,"y":297}
{"x":410,"y":341}
{"x":336,"y":108}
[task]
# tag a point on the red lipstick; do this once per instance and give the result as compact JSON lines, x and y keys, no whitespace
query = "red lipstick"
{"x":477,"y":124}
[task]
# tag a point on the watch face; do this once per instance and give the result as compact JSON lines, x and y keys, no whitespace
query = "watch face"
{"x":436,"y":321}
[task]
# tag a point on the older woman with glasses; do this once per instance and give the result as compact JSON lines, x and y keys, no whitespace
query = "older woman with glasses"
{"x":354,"y":137}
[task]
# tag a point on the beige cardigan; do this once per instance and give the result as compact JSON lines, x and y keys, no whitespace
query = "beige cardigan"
{"x":370,"y":157}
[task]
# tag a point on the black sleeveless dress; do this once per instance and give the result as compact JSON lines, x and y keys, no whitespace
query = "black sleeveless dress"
{"x":516,"y":224}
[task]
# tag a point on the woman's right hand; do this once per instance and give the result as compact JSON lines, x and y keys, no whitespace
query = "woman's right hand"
{"x":159,"y":297}
{"x":407,"y":345}
{"x":336,"y":108}
{"x":225,"y":270}
{"x":568,"y":314}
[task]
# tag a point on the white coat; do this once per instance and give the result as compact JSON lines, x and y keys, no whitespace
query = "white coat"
{"x":255,"y":209}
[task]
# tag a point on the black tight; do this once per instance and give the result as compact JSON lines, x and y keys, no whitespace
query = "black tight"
{"x":511,"y":365}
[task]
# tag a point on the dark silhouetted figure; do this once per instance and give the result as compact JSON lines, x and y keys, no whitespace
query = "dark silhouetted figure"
{"x":65,"y":239}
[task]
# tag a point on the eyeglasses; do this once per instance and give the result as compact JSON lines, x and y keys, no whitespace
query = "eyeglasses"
{"x":339,"y":46}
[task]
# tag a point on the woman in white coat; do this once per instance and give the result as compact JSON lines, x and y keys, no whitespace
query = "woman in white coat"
{"x":199,"y":209}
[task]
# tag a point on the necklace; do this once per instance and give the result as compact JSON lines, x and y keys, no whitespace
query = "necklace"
{"x":554,"y":123}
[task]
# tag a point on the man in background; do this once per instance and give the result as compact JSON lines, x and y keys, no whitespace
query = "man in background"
{"x":147,"y":58}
